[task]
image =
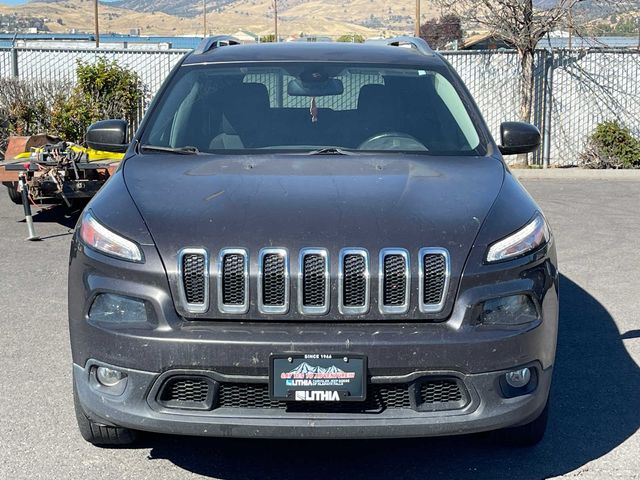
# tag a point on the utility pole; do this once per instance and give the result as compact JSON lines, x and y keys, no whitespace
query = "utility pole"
{"x":275,"y":19}
{"x":95,"y":14}
{"x":417,"y":32}
{"x":570,"y":27}
{"x":204,"y":15}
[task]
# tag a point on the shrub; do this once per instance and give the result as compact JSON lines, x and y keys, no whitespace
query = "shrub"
{"x":351,"y":39}
{"x":611,"y":146}
{"x":103,"y":90}
{"x":25,"y":106}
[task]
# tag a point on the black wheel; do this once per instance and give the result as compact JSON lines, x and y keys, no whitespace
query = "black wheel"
{"x":98,"y":434}
{"x":14,"y":194}
{"x":526,"y":435}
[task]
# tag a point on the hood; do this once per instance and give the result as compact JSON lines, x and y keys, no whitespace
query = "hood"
{"x":296,"y":201}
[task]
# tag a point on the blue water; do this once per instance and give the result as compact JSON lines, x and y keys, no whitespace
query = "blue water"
{"x":192,"y":42}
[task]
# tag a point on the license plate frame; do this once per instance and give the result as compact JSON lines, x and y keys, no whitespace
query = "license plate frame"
{"x":340,"y":378}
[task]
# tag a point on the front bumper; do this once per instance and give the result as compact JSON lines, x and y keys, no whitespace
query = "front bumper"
{"x":487,"y":409}
{"x":239,"y":351}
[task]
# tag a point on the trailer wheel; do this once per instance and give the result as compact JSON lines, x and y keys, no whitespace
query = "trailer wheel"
{"x":14,"y":194}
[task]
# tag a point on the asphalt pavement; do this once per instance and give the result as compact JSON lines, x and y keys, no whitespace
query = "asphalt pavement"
{"x":595,"y":410}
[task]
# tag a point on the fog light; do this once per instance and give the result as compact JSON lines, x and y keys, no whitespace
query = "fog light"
{"x":518,"y":378}
{"x":108,"y":376}
{"x":512,"y":310}
{"x":118,"y":309}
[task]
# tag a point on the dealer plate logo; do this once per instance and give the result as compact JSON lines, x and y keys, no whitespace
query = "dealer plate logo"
{"x":316,"y":396}
{"x":306,"y":375}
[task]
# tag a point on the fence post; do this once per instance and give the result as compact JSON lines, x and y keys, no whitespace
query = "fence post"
{"x":548,"y":108}
{"x":14,"y":62}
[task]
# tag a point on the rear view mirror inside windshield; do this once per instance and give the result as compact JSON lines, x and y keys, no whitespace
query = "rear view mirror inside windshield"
{"x":324,"y":88}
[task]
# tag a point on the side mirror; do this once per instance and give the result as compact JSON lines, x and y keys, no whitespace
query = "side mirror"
{"x":519,"y":137}
{"x":108,"y":136}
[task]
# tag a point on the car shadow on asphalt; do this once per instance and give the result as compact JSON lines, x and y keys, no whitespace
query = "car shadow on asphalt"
{"x":61,"y":214}
{"x":593,"y":410}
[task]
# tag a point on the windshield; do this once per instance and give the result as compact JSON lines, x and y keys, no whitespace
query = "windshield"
{"x":319,"y":107}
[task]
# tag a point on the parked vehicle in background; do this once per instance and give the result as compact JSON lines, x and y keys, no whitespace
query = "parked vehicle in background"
{"x":313,"y":241}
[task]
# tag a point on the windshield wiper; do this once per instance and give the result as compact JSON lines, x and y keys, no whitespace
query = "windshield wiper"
{"x":188,"y":150}
{"x":331,"y":151}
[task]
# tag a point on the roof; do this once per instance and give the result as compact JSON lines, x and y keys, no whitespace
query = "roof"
{"x":313,"y":52}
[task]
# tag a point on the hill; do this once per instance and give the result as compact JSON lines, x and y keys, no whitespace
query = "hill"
{"x":184,"y":17}
{"x":320,"y":17}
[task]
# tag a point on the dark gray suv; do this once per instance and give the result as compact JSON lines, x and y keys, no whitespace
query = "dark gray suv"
{"x":312,"y":241}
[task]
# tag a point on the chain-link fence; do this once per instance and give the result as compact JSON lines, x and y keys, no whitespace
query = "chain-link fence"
{"x":573,"y":90}
{"x":60,"y":64}
{"x":589,"y":88}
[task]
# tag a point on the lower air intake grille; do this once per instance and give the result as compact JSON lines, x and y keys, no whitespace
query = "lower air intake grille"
{"x":394,"y":280}
{"x":246,"y":395}
{"x":314,"y":281}
{"x":187,"y":393}
{"x":233,"y":279}
{"x":273,"y":280}
{"x":433,"y":395}
{"x":354,"y":281}
{"x":193,"y":277}
{"x":434,"y":279}
{"x":251,"y":395}
{"x":441,"y":391}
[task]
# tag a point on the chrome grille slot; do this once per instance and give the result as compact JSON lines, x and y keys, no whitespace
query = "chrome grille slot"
{"x":353,"y":281}
{"x":273,"y":281}
{"x":394,"y":281}
{"x":434,"y":270}
{"x":313,"y":281}
{"x":233,"y":280}
{"x":193,"y":272}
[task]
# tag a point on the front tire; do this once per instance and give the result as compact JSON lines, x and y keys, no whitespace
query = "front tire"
{"x":97,"y":434}
{"x":529,"y":434}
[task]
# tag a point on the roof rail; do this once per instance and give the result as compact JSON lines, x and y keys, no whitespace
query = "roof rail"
{"x":413,"y":42}
{"x":217,"y":41}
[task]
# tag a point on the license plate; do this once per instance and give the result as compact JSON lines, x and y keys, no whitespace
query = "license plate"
{"x":318,"y":378}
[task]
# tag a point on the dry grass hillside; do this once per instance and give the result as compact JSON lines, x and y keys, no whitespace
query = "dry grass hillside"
{"x":320,"y":17}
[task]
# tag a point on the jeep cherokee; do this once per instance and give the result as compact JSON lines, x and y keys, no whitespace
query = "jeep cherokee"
{"x":312,"y":241}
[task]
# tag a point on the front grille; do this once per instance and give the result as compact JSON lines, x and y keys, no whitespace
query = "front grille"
{"x":187,"y":393}
{"x":314,"y":281}
{"x":233,"y":279}
{"x":434,"y":277}
{"x":273,"y":280}
{"x":394,"y":281}
{"x":194,"y":277}
{"x":354,"y":282}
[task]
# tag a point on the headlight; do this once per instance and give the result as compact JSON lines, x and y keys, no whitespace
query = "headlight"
{"x":530,"y":237}
{"x":100,"y":238}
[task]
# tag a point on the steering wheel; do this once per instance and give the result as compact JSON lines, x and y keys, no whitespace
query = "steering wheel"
{"x":392,"y":141}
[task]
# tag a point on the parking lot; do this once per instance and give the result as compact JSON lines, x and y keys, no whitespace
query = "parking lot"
{"x":595,"y":413}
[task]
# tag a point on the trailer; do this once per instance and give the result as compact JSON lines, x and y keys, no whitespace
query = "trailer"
{"x":56,"y":173}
